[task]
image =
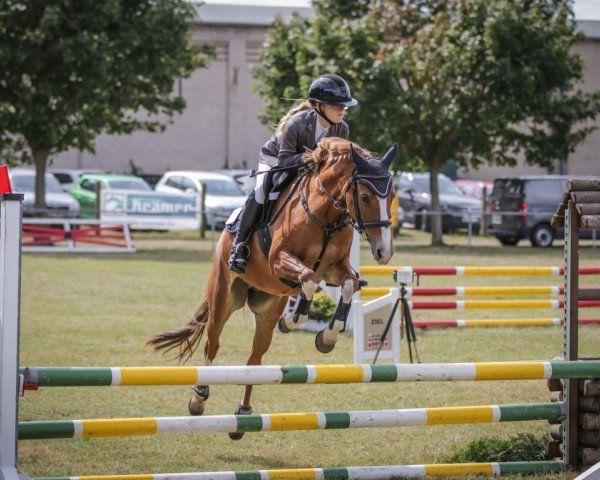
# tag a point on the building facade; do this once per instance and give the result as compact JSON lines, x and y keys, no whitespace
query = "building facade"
{"x":220,"y":129}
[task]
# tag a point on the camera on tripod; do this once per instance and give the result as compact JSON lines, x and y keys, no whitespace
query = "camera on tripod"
{"x":404,"y":275}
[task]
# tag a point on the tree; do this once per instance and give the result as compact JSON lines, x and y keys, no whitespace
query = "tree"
{"x":73,"y":69}
{"x":470,"y":81}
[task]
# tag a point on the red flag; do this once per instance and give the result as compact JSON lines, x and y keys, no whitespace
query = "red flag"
{"x":4,"y":180}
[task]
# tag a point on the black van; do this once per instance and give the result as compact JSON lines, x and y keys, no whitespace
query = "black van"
{"x":522,"y":207}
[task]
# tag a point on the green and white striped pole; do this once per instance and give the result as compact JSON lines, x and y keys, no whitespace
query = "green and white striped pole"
{"x":350,"y":473}
{"x":121,"y":427}
{"x":268,"y":375}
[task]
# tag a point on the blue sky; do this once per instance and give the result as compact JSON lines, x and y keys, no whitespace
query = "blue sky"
{"x":584,"y":9}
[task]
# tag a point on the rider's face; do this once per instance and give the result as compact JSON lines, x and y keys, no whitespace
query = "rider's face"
{"x":334,"y":113}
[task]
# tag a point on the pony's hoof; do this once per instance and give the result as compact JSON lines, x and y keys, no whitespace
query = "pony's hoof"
{"x":321,"y":346}
{"x":196,"y":406}
{"x":241,"y":410}
{"x":283,"y":328}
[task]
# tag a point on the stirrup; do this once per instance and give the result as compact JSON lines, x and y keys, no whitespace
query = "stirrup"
{"x":238,"y":257}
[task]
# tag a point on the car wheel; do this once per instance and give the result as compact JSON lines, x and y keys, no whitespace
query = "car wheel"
{"x":542,"y":236}
{"x":424,"y":220}
{"x":508,"y":241}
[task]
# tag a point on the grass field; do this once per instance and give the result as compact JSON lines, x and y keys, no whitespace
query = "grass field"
{"x":96,"y":310}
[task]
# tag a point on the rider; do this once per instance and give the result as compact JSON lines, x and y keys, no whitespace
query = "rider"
{"x":301,"y":128}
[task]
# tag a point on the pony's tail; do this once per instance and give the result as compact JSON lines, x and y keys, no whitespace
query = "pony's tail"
{"x":187,"y":338}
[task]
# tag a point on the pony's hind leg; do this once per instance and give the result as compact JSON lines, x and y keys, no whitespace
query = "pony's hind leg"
{"x":221,"y":302}
{"x":267,"y":310}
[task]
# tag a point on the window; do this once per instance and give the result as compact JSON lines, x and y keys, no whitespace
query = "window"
{"x":188,"y":184}
{"x":64,"y":177}
{"x":136,"y":184}
{"x":89,"y":185}
{"x":507,"y":187}
{"x":544,"y":191}
{"x":445,"y":186}
{"x":26,"y":183}
{"x":225,"y":188}
{"x":174,"y":182}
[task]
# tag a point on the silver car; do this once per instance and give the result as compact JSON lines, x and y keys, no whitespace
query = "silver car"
{"x":59,"y":204}
{"x":223,"y":195}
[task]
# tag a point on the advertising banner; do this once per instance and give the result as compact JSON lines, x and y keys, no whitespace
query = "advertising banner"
{"x":151,"y":210}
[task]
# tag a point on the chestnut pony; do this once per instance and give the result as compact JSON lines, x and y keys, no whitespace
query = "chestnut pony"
{"x":311,"y":227}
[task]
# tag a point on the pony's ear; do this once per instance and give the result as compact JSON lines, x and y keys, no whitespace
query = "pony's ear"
{"x":388,"y":158}
{"x":359,"y":161}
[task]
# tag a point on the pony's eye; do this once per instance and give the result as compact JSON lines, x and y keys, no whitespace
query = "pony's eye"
{"x":365,"y":198}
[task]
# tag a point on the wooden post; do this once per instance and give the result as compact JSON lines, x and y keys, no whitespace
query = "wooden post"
{"x":571,"y":344}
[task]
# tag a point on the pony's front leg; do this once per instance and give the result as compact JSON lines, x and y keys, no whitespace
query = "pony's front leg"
{"x":326,"y":339}
{"x":289,"y":267}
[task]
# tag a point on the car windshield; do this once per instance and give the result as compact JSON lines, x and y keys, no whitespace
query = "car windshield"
{"x":225,"y":188}
{"x":129,"y":184}
{"x":445,"y":186}
{"x":26,"y":183}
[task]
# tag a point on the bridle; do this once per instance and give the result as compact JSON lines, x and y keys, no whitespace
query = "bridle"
{"x":339,"y":203}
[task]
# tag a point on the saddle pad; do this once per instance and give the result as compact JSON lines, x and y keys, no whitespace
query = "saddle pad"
{"x":232,"y":223}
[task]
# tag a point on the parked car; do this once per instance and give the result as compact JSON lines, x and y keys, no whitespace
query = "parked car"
{"x":474,"y":188}
{"x":458,"y":209}
{"x":522,"y":207}
{"x":67,"y":177}
{"x":58,"y":203}
{"x":242,"y":177}
{"x":85,"y":189}
{"x":223,"y":195}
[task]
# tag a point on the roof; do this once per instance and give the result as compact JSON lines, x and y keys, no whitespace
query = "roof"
{"x":541,"y":177}
{"x":263,"y":15}
{"x":246,"y":15}
{"x":24,"y":171}
{"x":199,"y":174}
{"x":590,"y":28}
{"x":112,"y":176}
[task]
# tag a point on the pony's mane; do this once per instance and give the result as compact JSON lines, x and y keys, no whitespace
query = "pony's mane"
{"x":334,"y":147}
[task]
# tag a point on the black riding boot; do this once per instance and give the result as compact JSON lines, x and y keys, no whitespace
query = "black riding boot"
{"x":238,"y":256}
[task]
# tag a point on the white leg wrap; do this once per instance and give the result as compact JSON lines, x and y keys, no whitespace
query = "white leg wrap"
{"x":347,"y":291}
{"x":288,"y":319}
{"x":330,"y":336}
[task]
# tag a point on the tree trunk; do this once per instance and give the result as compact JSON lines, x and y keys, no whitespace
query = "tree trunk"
{"x":40,"y":158}
{"x":436,"y":218}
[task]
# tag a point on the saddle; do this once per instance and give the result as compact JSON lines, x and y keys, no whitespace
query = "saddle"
{"x":274,"y":184}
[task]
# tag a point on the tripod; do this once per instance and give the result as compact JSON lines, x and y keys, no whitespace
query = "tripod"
{"x":406,"y":321}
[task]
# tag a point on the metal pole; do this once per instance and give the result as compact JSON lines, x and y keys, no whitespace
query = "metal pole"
{"x":10,"y":284}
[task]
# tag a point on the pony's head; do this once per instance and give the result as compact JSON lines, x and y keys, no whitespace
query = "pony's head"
{"x":367,"y":189}
{"x":372,"y":194}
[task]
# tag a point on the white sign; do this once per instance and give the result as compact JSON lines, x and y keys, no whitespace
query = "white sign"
{"x":151,"y":210}
{"x":370,"y":320}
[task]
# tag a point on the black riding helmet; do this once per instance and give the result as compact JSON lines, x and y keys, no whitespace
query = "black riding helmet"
{"x":330,"y":89}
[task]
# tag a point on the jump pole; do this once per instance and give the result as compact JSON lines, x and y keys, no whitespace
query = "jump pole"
{"x":477,"y":271}
{"x":125,"y":427}
{"x":349,"y":473}
{"x":307,"y":374}
{"x":10,"y":288}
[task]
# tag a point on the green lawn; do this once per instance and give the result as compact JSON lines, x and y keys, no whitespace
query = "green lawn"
{"x":96,"y":310}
